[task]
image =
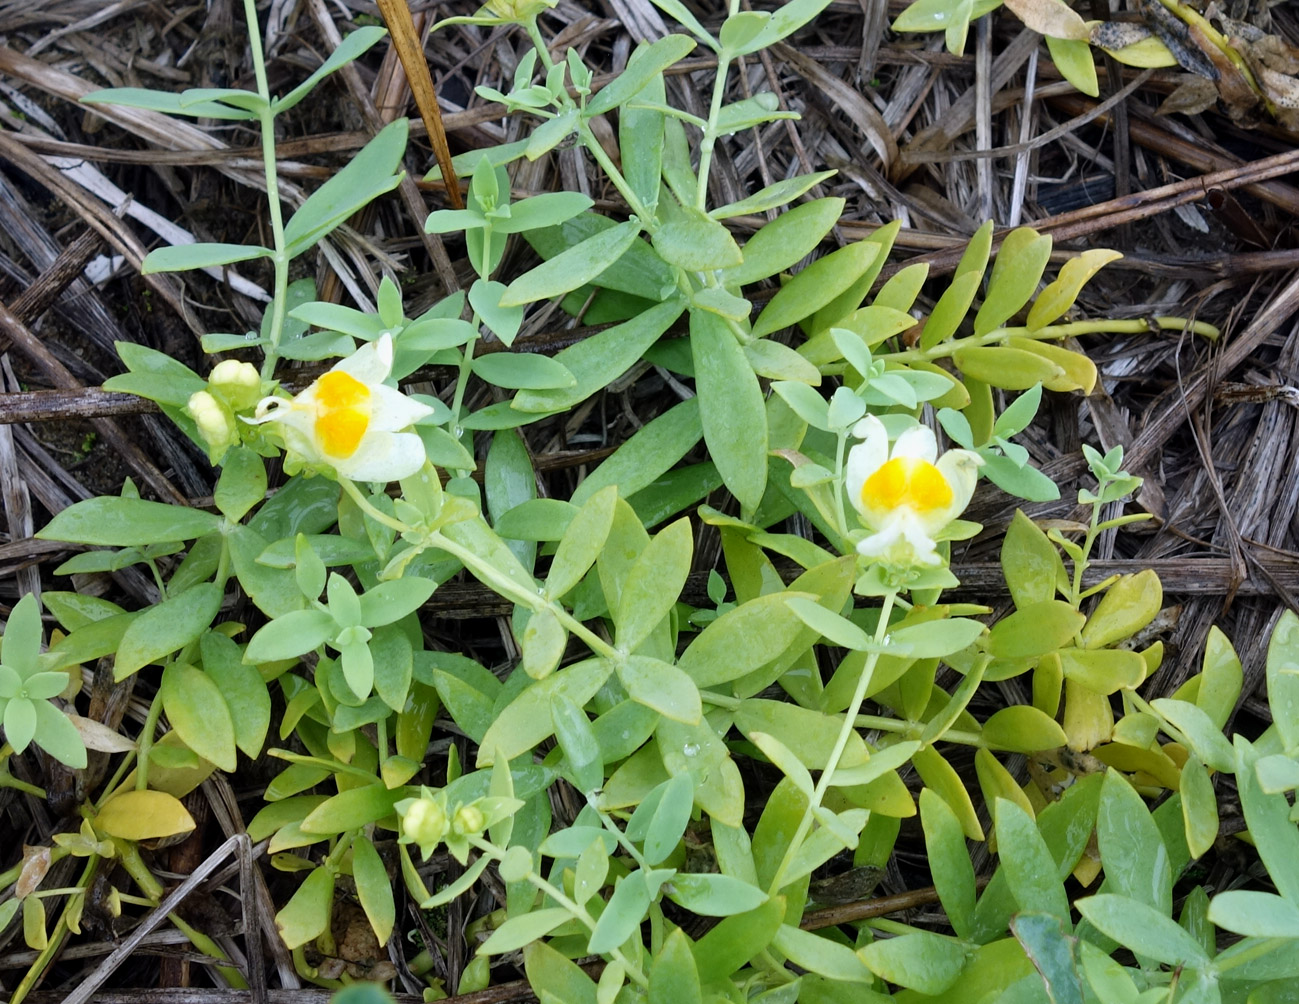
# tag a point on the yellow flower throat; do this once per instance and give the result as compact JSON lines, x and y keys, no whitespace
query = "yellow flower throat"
{"x":342,"y":413}
{"x":907,"y":481}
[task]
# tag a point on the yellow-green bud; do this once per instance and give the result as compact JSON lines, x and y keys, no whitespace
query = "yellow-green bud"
{"x":239,"y":383}
{"x":468,"y":819}
{"x":425,"y":824}
{"x":216,"y":424}
{"x":517,"y":10}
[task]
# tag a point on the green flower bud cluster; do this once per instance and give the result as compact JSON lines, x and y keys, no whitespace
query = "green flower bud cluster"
{"x":517,"y":10}
{"x":428,"y":821}
{"x":232,"y":387}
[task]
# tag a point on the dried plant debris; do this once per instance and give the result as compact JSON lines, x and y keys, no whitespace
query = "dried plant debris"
{"x":1253,"y":74}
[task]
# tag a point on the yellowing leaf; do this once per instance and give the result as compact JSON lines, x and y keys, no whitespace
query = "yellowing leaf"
{"x":1088,"y":717}
{"x":1020,"y":262}
{"x":1132,"y":45}
{"x":306,"y":915}
{"x":1050,"y":17}
{"x":143,"y":815}
{"x":1030,"y":562}
{"x":1023,"y":729}
{"x":1103,"y":670}
{"x":1127,"y":606}
{"x":939,"y":775}
{"x":1059,"y":296}
{"x":995,"y":781}
{"x":1009,"y":369}
{"x":1077,"y":371}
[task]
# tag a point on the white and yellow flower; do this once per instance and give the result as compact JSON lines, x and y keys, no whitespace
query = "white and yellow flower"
{"x":350,"y":421}
{"x":908,"y":494}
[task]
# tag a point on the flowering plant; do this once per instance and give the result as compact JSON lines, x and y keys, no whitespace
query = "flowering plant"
{"x":604,"y":684}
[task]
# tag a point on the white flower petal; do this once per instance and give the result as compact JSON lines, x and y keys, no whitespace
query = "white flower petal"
{"x":866,"y":457}
{"x":371,"y":363}
{"x":922,"y":544}
{"x":392,"y":411}
{"x":902,"y":540}
{"x":384,"y":456}
{"x":298,"y":430}
{"x":917,"y":442}
{"x":961,"y":469}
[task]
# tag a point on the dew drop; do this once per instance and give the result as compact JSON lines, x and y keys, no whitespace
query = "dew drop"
{"x":690,"y":749}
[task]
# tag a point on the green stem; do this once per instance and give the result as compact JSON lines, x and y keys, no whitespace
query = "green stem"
{"x":1164,"y":724}
{"x":840,"y":516}
{"x":840,"y":743}
{"x":462,"y":379}
{"x":310,"y":973}
{"x":584,"y":130}
{"x":615,"y":176}
{"x":709,"y":141}
{"x":579,"y":912}
{"x":333,"y":766}
{"x":145,"y":745}
{"x":484,"y":270}
{"x":57,"y":936}
{"x":621,"y":837}
{"x":110,"y":789}
{"x":280,"y":258}
{"x":539,"y":43}
{"x":488,"y":575}
{"x":368,"y":507}
{"x":128,"y":853}
{"x":212,"y":950}
{"x":520,"y":594}
{"x":896,"y":927}
{"x":662,"y":109}
{"x":1050,"y":333}
{"x":912,"y":730}
{"x":7,"y":780}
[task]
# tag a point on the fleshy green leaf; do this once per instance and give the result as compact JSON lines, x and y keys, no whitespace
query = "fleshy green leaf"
{"x":199,"y":714}
{"x":572,"y":268}
{"x":162,"y":629}
{"x":112,"y":521}
{"x":369,"y":174}
{"x":731,"y":408}
{"x":1144,"y":928}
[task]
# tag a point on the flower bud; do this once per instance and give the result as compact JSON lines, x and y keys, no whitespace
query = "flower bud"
{"x":424,"y":823}
{"x":468,"y":819}
{"x":517,"y":10}
{"x":238,"y":383}
{"x":216,"y":424}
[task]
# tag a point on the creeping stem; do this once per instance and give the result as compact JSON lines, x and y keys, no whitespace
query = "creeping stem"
{"x":840,"y":743}
{"x":579,"y":912}
{"x":280,"y":258}
{"x":1052,"y":332}
{"x":489,"y":575}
